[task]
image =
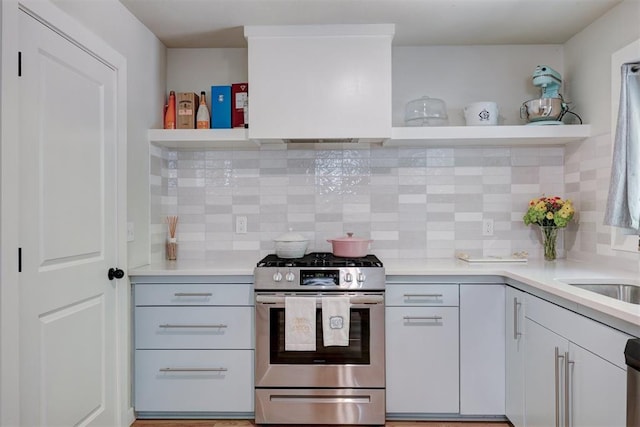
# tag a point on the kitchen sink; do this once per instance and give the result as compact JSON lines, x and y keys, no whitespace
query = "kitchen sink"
{"x":627,"y":292}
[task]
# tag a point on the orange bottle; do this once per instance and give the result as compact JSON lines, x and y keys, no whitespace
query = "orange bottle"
{"x":202,"y":118}
{"x":170,"y":114}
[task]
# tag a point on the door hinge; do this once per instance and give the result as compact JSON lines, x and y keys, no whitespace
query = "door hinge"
{"x":19,"y":260}
{"x":19,"y":64}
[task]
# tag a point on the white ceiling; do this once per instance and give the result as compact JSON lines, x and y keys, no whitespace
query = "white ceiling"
{"x":218,"y":23}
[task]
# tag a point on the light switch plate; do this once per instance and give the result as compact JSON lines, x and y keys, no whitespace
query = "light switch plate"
{"x":241,"y":225}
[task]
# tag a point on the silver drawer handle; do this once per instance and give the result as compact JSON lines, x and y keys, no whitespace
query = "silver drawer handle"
{"x":169,"y":326}
{"x":410,"y":318}
{"x":193,"y":294}
{"x":423,"y":295}
{"x":193,"y":369}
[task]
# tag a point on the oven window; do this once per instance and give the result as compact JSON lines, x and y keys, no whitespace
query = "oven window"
{"x":356,"y":353}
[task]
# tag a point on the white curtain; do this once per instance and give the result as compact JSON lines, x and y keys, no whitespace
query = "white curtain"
{"x":623,"y":203}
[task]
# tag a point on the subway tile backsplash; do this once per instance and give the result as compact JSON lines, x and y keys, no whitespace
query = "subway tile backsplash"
{"x":413,"y":202}
{"x":587,"y":177}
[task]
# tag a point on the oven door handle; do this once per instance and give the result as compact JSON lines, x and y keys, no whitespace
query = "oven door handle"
{"x":365,"y":299}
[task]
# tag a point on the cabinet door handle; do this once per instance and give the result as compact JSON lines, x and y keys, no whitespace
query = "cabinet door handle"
{"x":568,"y":392}
{"x":193,"y":370}
{"x":516,"y":306}
{"x":170,"y":326}
{"x":410,"y":318}
{"x":193,"y":294}
{"x":557,"y":357}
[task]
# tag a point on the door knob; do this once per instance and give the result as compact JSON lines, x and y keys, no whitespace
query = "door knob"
{"x":115,"y":273}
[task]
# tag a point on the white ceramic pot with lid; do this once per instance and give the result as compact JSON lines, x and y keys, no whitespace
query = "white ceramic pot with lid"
{"x":290,"y":245}
{"x":350,"y":247}
{"x":483,"y":113}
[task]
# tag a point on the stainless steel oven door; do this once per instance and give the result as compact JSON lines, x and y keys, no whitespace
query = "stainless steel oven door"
{"x":359,"y":365}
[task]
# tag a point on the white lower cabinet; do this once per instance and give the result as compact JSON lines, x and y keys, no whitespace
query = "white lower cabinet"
{"x":422,"y":347}
{"x":482,"y":349}
{"x":543,"y":373}
{"x":193,"y":349}
{"x":514,"y":356}
{"x":598,"y":390}
{"x":574,"y":371}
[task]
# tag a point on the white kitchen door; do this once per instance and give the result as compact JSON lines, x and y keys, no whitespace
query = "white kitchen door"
{"x":68,"y":232}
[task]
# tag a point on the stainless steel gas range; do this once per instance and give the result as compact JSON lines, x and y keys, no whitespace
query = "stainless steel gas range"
{"x":333,"y":384}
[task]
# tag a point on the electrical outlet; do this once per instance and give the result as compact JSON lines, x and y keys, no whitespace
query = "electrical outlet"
{"x":130,"y":234}
{"x":241,"y":225}
{"x":487,"y":227}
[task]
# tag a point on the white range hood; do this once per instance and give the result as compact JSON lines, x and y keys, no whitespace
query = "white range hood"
{"x":320,"y":83}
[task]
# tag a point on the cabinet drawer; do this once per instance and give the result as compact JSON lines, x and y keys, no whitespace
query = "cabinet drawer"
{"x":193,"y":327}
{"x":444,"y":295}
{"x":600,"y":339}
{"x":194,"y":380}
{"x":193,"y":294}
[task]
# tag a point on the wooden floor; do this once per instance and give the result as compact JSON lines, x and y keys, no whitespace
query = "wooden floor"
{"x":244,"y":423}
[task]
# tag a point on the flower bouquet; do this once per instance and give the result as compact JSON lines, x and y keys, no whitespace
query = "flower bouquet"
{"x":550,"y":213}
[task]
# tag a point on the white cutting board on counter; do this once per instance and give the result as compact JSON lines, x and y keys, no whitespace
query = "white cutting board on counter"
{"x":516,"y":258}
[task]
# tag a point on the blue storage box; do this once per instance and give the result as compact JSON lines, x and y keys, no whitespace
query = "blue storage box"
{"x":221,"y":107}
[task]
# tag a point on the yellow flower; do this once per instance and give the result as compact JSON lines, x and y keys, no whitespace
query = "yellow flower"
{"x":549,"y":215}
{"x":567,"y":209}
{"x":541,"y":206}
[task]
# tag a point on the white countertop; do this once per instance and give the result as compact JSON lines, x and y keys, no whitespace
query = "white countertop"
{"x":237,"y":267}
{"x":544,"y":276}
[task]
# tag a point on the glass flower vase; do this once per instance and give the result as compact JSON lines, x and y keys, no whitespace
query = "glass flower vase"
{"x":549,"y":241}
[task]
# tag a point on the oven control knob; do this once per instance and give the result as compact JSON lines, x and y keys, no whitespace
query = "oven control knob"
{"x":277,"y":276}
{"x":290,"y":277}
{"x":348,"y":278}
{"x":361,"y":277}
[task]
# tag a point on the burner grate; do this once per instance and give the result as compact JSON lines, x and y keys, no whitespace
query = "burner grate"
{"x":320,"y":259}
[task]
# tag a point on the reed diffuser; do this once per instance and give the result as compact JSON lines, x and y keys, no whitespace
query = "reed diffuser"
{"x":172,"y":243}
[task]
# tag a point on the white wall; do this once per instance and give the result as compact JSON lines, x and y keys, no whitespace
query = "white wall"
{"x":146,"y":80}
{"x":460,"y":75}
{"x":588,"y":163}
{"x":194,"y":70}
{"x":588,"y":62}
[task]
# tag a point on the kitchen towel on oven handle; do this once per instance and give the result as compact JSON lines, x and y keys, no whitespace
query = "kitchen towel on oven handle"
{"x":335,"y":321}
{"x":299,"y":324}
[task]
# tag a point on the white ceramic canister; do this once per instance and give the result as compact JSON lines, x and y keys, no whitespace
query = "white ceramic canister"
{"x":481,"y":114}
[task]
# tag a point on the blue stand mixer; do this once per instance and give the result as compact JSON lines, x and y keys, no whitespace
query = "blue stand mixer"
{"x":549,"y":81}
{"x":550,"y":107}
